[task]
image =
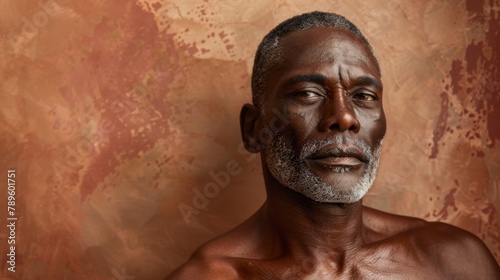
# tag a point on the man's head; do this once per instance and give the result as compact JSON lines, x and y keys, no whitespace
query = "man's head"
{"x":317,"y":116}
{"x":268,"y":53}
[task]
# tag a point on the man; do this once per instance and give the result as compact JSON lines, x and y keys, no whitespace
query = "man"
{"x":317,"y":120}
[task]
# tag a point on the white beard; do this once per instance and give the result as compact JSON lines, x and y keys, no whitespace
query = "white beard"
{"x":292,"y":171}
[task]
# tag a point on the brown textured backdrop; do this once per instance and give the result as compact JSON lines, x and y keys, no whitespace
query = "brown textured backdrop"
{"x":115,"y":113}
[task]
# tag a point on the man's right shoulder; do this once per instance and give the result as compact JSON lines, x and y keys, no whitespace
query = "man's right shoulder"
{"x":218,"y":258}
{"x":204,"y":264}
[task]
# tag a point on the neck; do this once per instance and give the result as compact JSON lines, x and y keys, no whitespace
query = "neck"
{"x":303,"y":226}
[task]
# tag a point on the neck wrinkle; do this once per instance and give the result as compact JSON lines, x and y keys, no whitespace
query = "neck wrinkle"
{"x":304,"y":227}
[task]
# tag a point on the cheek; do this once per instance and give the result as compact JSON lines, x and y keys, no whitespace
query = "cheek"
{"x":291,"y":122}
{"x":373,"y":124}
{"x":302,"y":123}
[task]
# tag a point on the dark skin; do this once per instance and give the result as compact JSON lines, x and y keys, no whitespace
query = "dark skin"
{"x":328,"y":84}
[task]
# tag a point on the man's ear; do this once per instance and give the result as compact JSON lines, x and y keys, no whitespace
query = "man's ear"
{"x":248,"y":124}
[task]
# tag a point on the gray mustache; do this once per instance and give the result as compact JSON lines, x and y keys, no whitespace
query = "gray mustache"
{"x":342,"y":147}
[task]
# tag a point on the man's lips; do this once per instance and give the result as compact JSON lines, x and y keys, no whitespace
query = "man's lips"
{"x":339,"y":156}
{"x":338,"y":161}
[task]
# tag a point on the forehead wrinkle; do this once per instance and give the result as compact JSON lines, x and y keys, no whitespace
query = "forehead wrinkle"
{"x":341,"y":78}
{"x":335,"y":51}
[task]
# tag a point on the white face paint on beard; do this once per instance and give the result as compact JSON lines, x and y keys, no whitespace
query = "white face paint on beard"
{"x":292,"y":171}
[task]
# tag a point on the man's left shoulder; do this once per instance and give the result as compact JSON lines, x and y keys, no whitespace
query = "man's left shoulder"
{"x":458,"y":252}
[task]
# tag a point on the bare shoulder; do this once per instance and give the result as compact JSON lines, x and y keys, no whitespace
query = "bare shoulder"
{"x":218,"y":258}
{"x":460,"y":254}
{"x":457,"y":253}
{"x":381,"y":225}
{"x":204,"y":265}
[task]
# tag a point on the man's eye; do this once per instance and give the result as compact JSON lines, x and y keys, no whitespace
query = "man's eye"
{"x":307,"y":94}
{"x":365,"y":96}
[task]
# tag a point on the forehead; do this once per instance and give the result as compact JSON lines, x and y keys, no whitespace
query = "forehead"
{"x":329,"y":47}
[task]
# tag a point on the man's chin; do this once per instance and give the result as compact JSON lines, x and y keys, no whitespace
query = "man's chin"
{"x":344,"y":191}
{"x":338,"y":176}
{"x":336,"y":197}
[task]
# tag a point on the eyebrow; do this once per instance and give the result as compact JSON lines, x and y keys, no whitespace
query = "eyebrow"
{"x":315,"y":78}
{"x":321,"y":79}
{"x":368,"y":81}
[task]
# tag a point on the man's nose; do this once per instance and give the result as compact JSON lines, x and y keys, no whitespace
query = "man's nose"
{"x":339,"y":114}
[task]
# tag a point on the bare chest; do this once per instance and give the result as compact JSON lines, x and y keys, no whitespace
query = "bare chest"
{"x":371,"y":266}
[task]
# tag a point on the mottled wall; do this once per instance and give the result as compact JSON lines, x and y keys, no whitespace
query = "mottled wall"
{"x":114,"y":113}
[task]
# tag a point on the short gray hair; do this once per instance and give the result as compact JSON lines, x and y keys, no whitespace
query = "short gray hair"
{"x":268,"y":53}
